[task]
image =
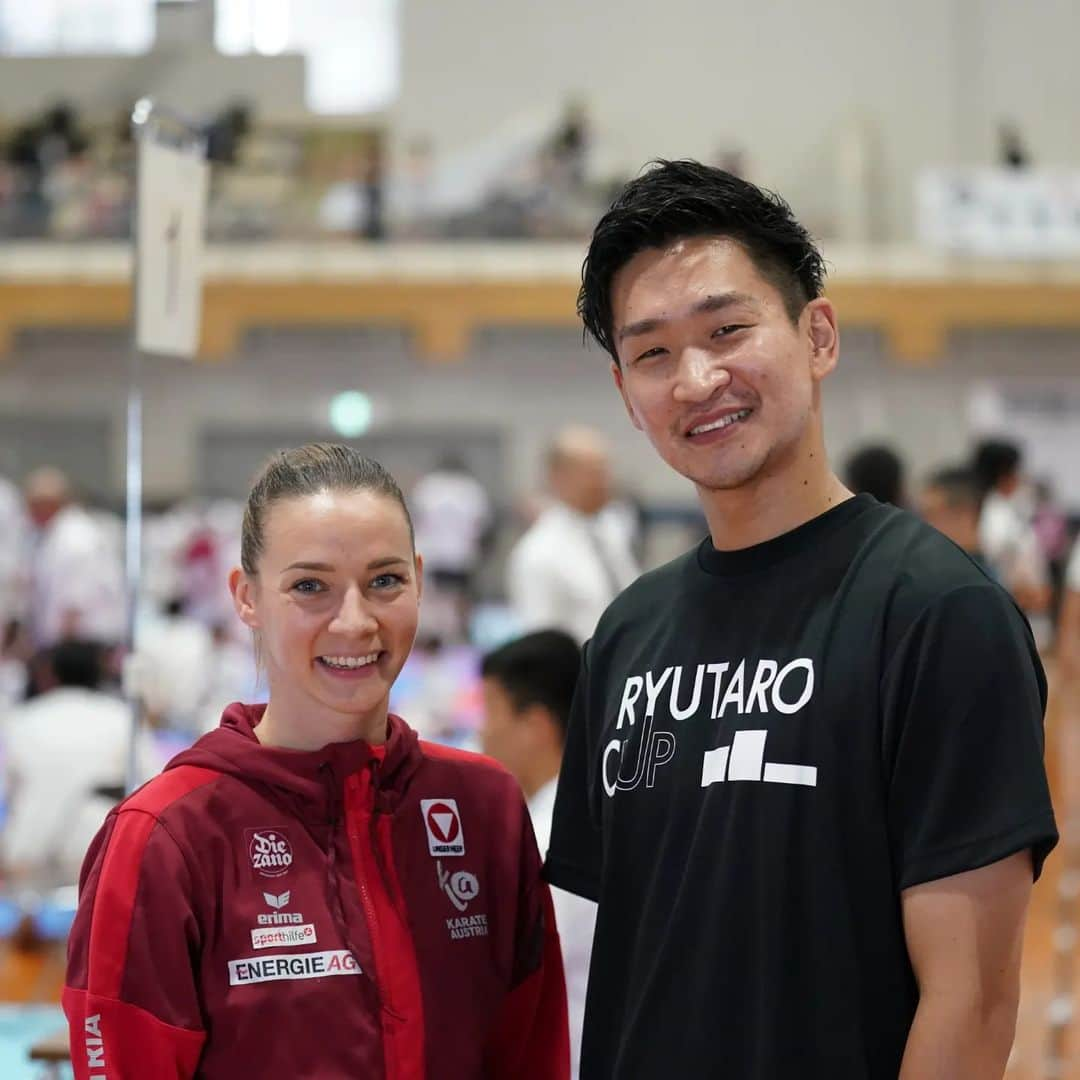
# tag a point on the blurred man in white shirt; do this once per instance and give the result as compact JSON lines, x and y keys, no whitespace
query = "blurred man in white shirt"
{"x":452,"y":515}
{"x":1006,"y":535}
{"x":575,"y":559}
{"x":76,"y":572}
{"x":66,"y":755}
{"x":1068,"y":639}
{"x":528,"y":689}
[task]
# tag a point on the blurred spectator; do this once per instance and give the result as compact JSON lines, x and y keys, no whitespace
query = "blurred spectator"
{"x":37,"y":150}
{"x":1051,"y":524}
{"x":176,"y":654}
{"x":1005,"y":531}
{"x":877,"y":470}
{"x":575,"y":559}
{"x":411,"y":194}
{"x":1068,"y":638}
{"x":453,"y":516}
{"x":1012,"y":154}
{"x":225,"y":134}
{"x":13,"y":529}
{"x":76,"y":573}
{"x":950,"y":501}
{"x":528,"y":690}
{"x":66,"y":753}
{"x":570,"y":145}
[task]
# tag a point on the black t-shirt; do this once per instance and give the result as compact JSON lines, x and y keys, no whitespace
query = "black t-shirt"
{"x":767,"y":747}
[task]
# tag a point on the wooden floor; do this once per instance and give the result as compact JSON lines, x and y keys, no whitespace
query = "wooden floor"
{"x":1048,"y":1035}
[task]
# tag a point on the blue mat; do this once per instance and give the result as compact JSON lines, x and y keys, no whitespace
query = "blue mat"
{"x":20,"y":1027}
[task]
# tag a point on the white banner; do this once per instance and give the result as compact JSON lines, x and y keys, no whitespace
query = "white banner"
{"x":172,"y":222}
{"x":1009,"y":213}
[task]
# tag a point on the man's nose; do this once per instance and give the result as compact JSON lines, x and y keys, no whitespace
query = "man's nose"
{"x":700,"y":376}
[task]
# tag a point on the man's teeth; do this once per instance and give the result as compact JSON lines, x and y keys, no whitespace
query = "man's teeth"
{"x":349,"y":661}
{"x":723,"y":422}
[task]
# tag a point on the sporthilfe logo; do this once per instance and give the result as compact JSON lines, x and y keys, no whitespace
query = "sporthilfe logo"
{"x":270,"y":852}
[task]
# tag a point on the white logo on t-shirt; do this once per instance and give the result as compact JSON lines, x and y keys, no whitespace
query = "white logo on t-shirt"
{"x":748,"y":690}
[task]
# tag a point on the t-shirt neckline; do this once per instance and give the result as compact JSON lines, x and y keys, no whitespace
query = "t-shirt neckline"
{"x":764,"y":555}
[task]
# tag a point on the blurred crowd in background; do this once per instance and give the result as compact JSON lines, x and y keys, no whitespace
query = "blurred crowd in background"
{"x":564,"y":552}
{"x":65,"y":177}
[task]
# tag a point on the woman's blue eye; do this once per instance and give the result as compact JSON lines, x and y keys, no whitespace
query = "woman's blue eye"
{"x":309,"y":586}
{"x":388,"y":581}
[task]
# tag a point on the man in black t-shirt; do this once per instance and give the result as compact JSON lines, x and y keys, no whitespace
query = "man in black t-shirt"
{"x":804,"y":774}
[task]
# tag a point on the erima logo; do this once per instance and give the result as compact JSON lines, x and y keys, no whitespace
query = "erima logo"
{"x":95,"y":1048}
{"x":270,"y":853}
{"x":443,"y":824}
{"x":279,"y":917}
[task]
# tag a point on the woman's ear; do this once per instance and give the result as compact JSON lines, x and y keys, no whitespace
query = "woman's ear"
{"x":243,"y":590}
{"x":419,"y":563}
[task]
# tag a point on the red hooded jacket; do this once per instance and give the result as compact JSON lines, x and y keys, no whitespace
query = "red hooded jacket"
{"x":356,"y":912}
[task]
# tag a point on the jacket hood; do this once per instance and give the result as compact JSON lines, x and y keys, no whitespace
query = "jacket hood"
{"x":310,"y":783}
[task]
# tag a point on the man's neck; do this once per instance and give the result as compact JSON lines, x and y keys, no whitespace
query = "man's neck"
{"x":542,"y":772}
{"x":771,"y":505}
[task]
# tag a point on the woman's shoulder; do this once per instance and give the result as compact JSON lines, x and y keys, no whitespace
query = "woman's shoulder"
{"x":175,"y":791}
{"x":469,"y":769}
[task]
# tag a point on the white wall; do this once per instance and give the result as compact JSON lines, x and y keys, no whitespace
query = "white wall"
{"x":526,"y":384}
{"x":929,"y":78}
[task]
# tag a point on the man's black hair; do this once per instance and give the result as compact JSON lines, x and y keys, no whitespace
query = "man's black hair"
{"x":959,"y":485}
{"x":681,"y":199}
{"x":878,"y":471}
{"x":994,"y":459}
{"x":78,"y":663}
{"x":537,"y":669}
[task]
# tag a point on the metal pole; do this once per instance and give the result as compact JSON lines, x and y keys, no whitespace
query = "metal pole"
{"x":133,"y":477}
{"x":146,"y":119}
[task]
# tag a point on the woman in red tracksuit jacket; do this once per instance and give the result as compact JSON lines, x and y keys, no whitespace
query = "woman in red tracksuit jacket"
{"x":310,"y":891}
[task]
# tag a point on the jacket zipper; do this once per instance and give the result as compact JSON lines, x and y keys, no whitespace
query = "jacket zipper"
{"x":365,"y":896}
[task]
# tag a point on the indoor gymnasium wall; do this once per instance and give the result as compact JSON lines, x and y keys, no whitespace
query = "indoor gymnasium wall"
{"x":928,"y":80}
{"x":521,"y":384}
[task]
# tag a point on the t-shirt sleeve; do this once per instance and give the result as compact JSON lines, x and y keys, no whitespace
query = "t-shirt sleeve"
{"x":576,"y":852}
{"x":963,"y":702}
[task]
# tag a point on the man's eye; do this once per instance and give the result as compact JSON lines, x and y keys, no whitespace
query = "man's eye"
{"x":650,"y":353}
{"x":731,"y":328}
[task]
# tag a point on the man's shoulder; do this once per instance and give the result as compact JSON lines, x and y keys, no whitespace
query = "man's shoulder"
{"x":655,"y":589}
{"x":919,"y":569}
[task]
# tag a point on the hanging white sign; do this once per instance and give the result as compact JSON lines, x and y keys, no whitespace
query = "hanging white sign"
{"x":172,"y":191}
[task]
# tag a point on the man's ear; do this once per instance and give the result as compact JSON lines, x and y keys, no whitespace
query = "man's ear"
{"x":542,"y":724}
{"x":617,"y":375}
{"x":820,"y":320}
{"x":243,"y":591}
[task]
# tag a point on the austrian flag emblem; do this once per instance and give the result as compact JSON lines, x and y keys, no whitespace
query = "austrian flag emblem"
{"x":443,"y":824}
